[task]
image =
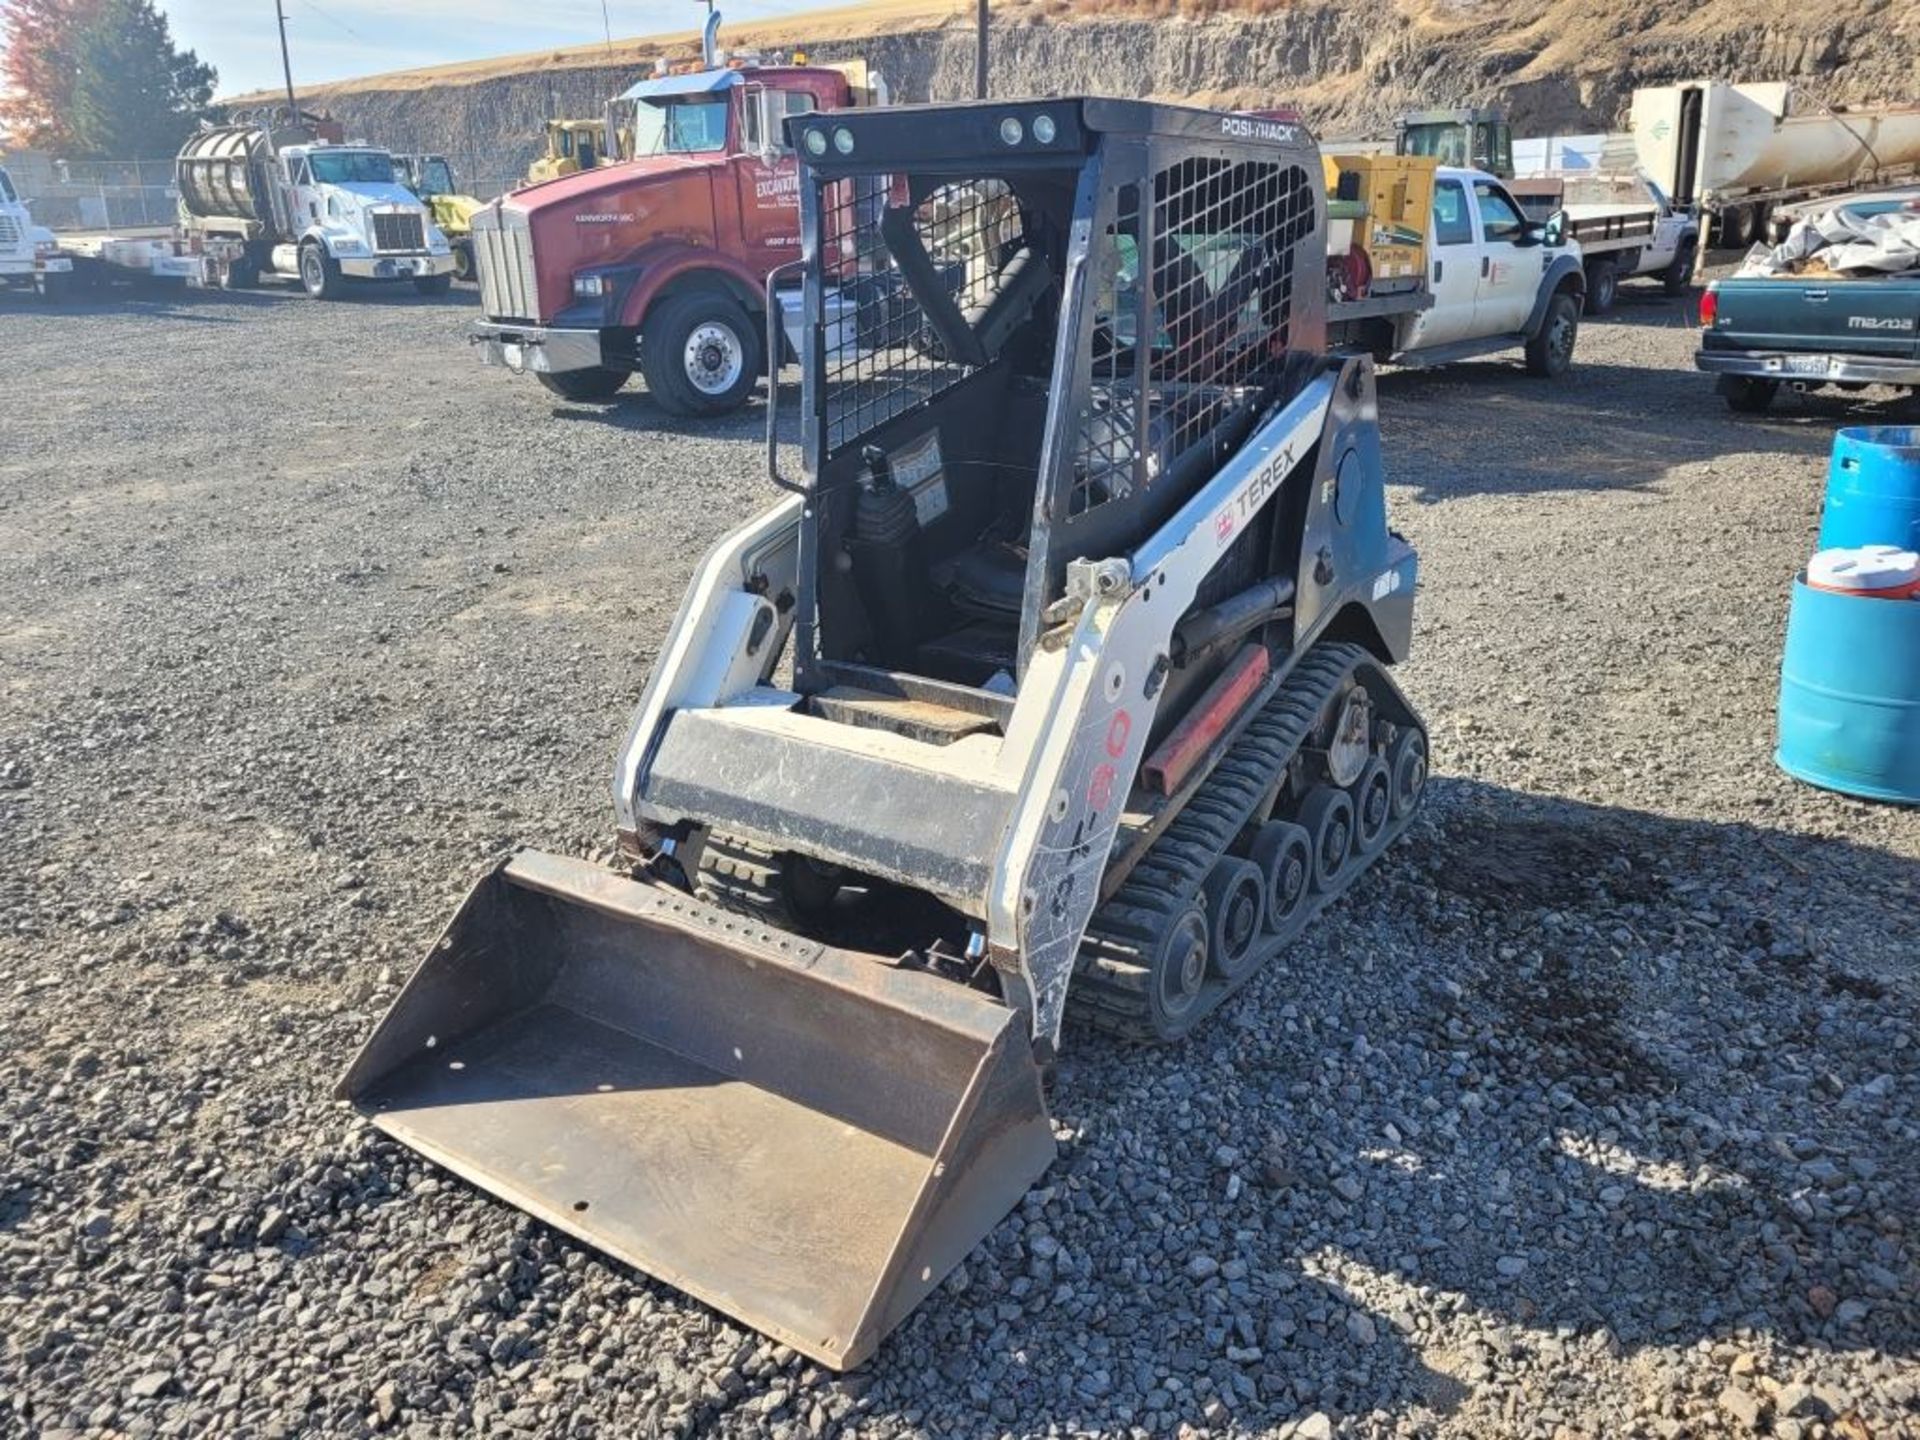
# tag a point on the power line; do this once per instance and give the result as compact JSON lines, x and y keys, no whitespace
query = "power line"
{"x":338,"y":24}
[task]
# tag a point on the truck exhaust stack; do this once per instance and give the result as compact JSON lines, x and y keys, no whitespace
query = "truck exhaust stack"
{"x":799,"y":1136}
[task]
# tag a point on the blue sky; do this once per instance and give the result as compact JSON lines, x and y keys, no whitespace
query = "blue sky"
{"x":336,"y":39}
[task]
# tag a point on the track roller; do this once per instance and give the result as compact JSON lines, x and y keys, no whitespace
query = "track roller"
{"x":1327,"y":817}
{"x":1177,"y":972}
{"x":1284,"y":854}
{"x":1236,"y":898}
{"x":1372,"y":808}
{"x":1407,"y":760}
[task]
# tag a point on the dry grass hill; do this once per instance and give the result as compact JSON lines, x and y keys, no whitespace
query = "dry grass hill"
{"x":1559,"y":65}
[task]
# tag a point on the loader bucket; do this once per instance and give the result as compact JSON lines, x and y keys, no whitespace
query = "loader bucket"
{"x":803,"y":1137}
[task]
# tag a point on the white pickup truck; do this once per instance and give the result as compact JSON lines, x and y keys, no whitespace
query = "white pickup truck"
{"x":1495,"y":280}
{"x":29,"y":254}
{"x":1625,"y":226}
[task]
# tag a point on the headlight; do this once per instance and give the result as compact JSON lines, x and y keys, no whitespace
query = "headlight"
{"x":349,"y":245}
{"x":590,"y":287}
{"x":1044,"y":129}
{"x":45,"y":249}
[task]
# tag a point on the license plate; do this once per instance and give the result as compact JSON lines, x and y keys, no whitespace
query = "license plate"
{"x":514,"y":356}
{"x":1805,"y":364}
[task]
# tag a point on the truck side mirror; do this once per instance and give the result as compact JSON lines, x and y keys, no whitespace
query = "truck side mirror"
{"x":1554,"y":232}
{"x":763,"y":123}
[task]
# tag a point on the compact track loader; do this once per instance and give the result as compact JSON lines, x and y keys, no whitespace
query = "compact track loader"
{"x":1055,"y":689}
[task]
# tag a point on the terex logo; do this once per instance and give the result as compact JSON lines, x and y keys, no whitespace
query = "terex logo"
{"x":1875,"y":322}
{"x":610,"y":217}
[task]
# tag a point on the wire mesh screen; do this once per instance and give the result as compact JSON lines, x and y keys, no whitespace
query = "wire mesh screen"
{"x":1197,"y":335}
{"x":885,"y":355}
{"x":1108,"y":440}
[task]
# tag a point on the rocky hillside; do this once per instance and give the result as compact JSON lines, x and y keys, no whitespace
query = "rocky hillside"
{"x":1558,"y":65}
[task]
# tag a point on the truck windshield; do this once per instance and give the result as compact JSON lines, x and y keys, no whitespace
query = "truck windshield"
{"x":680,"y":127}
{"x":1446,"y":143}
{"x":437,"y":177}
{"x":6,"y":189}
{"x":351,"y":167}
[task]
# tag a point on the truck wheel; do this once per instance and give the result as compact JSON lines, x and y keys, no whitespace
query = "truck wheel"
{"x":1677,"y":278}
{"x":1603,"y":285}
{"x":700,"y":354}
{"x":242,"y":274}
{"x":596,"y":383}
{"x":1736,"y":227}
{"x":433,"y":284}
{"x":1550,"y":348}
{"x":1746,"y":395}
{"x":319,"y":273}
{"x":463,"y":262}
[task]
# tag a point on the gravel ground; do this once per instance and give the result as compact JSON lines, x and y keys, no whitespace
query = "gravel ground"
{"x":1591,"y":1113}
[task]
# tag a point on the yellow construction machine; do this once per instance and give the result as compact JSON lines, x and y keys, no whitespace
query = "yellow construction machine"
{"x":431,"y":178}
{"x":572,"y":145}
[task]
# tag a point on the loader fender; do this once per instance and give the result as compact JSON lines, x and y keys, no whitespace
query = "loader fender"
{"x":726,"y":638}
{"x":1355,"y":579}
{"x":1090,"y":705}
{"x":1564,"y":273}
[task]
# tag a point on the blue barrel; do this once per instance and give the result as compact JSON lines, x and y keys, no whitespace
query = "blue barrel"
{"x":1850,"y":694}
{"x":1873,"y":488}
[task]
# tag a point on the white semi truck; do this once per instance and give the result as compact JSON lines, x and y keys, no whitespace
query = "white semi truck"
{"x":30,"y":258}
{"x":1735,"y":152}
{"x":286,"y":202}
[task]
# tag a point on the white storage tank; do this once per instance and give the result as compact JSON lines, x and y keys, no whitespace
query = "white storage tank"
{"x":1712,"y":143}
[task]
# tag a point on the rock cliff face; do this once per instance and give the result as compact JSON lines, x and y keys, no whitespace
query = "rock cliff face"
{"x":1558,"y":65}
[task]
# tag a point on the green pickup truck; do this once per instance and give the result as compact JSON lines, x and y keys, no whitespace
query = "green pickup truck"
{"x":1760,"y":333}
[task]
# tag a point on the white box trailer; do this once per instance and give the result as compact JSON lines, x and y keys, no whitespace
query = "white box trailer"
{"x":1736,"y":151}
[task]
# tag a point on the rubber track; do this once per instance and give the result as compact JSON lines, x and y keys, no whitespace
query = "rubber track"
{"x":1109,"y":989}
{"x":744,"y":878}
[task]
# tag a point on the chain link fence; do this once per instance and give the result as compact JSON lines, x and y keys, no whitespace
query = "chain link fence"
{"x":95,"y":194}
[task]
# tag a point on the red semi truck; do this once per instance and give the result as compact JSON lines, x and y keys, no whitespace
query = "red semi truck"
{"x":659,"y":263}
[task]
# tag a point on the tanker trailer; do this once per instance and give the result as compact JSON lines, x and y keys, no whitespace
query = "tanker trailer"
{"x":1738,"y":151}
{"x":285,"y":203}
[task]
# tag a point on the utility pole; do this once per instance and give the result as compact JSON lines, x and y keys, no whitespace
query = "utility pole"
{"x":980,"y":55}
{"x":286,"y":63}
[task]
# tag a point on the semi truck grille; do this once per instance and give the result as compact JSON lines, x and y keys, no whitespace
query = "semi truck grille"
{"x":503,"y":249}
{"x":397,"y":231}
{"x":9,"y":231}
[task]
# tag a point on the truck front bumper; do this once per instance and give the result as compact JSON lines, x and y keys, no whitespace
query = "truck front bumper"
{"x":25,"y":272}
{"x":1792,"y":367}
{"x":396,"y":267}
{"x":537,"y":348}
